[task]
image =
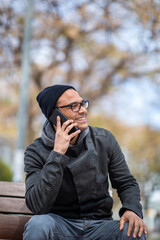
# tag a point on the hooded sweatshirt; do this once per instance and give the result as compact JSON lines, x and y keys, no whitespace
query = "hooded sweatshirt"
{"x":75,"y":185}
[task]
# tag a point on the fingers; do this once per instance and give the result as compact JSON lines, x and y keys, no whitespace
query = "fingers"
{"x":66,"y":127}
{"x":136,"y":229}
{"x":139,"y":228}
{"x":62,"y":138}
{"x":69,"y":128}
{"x":72,"y":135}
{"x":142,"y":229}
{"x":121,"y":224}
{"x":58,"y":122}
{"x":66,"y":124}
{"x":130,"y":227}
{"x":135,"y":224}
{"x":145,"y":229}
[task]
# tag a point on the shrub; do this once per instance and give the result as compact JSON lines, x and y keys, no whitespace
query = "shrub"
{"x":5,"y":172}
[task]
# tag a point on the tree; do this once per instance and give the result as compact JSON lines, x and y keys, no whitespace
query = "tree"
{"x":76,"y":42}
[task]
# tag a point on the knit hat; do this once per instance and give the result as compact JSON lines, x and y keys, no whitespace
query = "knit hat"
{"x":48,"y":97}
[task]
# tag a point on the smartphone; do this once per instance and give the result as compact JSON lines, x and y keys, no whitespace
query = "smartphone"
{"x":53,"y":119}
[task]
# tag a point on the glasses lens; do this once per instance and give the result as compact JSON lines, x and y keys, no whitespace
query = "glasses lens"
{"x":75,"y":107}
{"x":85,"y":104}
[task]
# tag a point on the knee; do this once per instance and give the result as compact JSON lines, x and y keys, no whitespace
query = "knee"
{"x":39,"y":222}
{"x":125,"y":237}
{"x":39,"y":227}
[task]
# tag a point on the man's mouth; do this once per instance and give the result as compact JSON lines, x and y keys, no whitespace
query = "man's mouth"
{"x":81,"y":119}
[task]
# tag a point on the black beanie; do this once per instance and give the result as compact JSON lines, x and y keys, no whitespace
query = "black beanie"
{"x":48,"y":97}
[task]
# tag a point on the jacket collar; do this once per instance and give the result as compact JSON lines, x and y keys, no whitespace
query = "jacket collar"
{"x":48,"y":135}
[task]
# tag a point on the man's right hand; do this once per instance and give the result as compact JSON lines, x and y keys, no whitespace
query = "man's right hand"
{"x":62,"y":138}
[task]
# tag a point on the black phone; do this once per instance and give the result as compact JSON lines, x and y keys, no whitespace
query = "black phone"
{"x":53,"y":119}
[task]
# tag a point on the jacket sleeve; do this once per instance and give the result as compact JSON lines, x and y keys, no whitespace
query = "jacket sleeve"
{"x":43,"y":179}
{"x":122,"y":180}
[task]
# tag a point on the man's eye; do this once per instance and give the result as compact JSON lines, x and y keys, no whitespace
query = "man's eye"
{"x":74,"y":106}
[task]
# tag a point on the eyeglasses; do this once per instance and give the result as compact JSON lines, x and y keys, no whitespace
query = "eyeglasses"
{"x":75,"y":107}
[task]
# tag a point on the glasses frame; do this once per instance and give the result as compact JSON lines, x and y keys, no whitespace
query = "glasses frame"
{"x":81,"y":104}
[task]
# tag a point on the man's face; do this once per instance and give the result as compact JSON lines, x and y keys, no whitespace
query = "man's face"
{"x":68,"y":97}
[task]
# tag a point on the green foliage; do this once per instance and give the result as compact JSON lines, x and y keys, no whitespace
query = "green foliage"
{"x":5,"y":172}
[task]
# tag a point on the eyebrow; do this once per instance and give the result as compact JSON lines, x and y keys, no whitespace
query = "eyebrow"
{"x":71,"y":103}
{"x":74,"y":102}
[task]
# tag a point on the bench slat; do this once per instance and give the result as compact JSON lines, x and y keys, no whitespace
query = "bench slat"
{"x":12,"y":189}
{"x":13,"y":205}
{"x":12,"y":227}
{"x":13,"y":210}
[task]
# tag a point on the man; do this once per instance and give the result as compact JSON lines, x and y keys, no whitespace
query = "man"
{"x":67,"y":177}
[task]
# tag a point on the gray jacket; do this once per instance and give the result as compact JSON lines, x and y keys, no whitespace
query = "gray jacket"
{"x":75,"y":185}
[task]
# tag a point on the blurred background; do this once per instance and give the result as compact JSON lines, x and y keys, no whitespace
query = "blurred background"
{"x":110,"y":52}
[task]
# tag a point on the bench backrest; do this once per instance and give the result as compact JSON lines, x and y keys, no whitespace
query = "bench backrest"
{"x":13,"y":211}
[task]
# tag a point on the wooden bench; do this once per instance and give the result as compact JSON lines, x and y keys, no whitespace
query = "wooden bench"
{"x":13,"y":211}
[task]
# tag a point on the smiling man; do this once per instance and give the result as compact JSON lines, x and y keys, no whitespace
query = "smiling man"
{"x":67,"y":177}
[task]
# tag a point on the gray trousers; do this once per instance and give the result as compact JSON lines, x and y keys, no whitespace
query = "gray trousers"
{"x":54,"y":227}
